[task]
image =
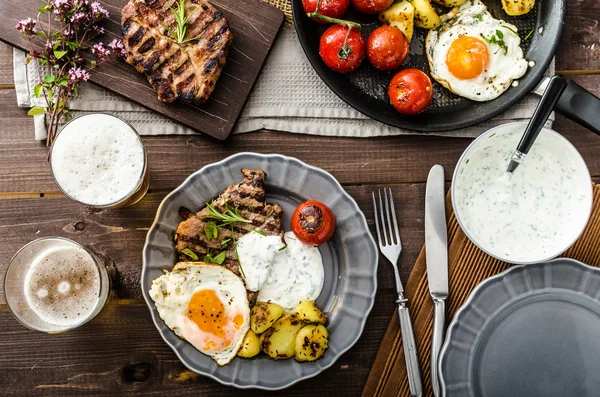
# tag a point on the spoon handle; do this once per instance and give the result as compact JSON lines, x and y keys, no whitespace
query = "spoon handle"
{"x":555,"y":88}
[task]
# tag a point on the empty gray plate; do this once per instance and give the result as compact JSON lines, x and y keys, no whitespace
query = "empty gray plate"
{"x":349,"y":258}
{"x":531,"y":331}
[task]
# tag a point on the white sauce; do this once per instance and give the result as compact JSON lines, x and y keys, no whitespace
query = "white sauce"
{"x":536,"y":213}
{"x":256,"y":253}
{"x":297,"y":275}
{"x":62,"y":285}
{"x":97,"y":159}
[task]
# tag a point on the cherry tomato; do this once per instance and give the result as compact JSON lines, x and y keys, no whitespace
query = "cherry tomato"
{"x":372,"y":6}
{"x":387,"y":48}
{"x":410,"y":91}
{"x":329,"y":8}
{"x":337,"y":56}
{"x":313,"y":223}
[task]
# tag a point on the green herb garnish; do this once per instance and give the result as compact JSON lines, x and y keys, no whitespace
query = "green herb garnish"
{"x":282,"y":248}
{"x":497,"y":38}
{"x":479,"y":16}
{"x":211,"y":230}
{"x":225,"y":242}
{"x":529,"y":34}
{"x":229,"y":217}
{"x":190,"y":253}
{"x":239,"y":262}
{"x":181,"y":20}
{"x":511,"y":29}
{"x":260,"y":232}
{"x":216,"y":259}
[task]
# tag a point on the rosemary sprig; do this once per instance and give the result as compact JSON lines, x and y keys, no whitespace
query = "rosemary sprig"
{"x":181,"y":20}
{"x":229,"y":217}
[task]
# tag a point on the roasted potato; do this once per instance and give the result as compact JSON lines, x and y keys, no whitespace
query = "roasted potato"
{"x":450,"y":3}
{"x":279,"y":341}
{"x":309,"y":311}
{"x":311,"y":342}
{"x":400,"y":15}
{"x":517,"y":7}
{"x":263,"y":315}
{"x":250,"y":345}
{"x":425,"y":15}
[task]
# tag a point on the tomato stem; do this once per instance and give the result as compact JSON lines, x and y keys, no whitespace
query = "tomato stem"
{"x":345,"y":51}
{"x":325,"y":18}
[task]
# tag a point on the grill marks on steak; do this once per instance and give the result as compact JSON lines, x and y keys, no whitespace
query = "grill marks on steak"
{"x":187,"y":71}
{"x":248,"y":197}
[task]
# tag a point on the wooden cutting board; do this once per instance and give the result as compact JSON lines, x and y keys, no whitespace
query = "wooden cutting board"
{"x":254,"y":25}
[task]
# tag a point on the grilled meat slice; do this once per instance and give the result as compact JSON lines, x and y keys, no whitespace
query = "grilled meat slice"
{"x":248,"y":197}
{"x":186,"y":71}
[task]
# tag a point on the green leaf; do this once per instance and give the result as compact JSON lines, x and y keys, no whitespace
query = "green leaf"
{"x":49,"y":78}
{"x":56,"y":44}
{"x":63,"y":81}
{"x":260,"y":232}
{"x":59,"y":54}
{"x":220,"y":258}
{"x":211,"y":230}
{"x":37,"y":90}
{"x":225,"y":242}
{"x":190,"y":253}
{"x":529,"y":34}
{"x":282,"y":248}
{"x":34,"y":111}
{"x":499,"y":34}
{"x":479,"y":16}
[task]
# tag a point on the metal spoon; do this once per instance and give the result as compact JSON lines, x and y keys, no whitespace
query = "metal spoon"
{"x":556,"y":86}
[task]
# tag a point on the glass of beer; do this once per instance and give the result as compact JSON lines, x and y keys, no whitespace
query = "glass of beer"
{"x":54,"y":284}
{"x":99,"y":160}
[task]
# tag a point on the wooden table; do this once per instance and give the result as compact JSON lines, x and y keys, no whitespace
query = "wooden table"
{"x":120,"y":352}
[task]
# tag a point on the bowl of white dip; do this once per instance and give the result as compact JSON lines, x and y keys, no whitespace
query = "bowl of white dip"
{"x":536,"y":214}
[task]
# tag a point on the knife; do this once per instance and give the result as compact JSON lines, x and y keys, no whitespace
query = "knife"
{"x":576,"y":103}
{"x":436,"y":250}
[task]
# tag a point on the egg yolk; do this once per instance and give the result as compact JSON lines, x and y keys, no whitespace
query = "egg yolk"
{"x":208,"y":312}
{"x":467,"y":57}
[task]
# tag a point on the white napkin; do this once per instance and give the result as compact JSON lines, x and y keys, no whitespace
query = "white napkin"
{"x":288,"y":96}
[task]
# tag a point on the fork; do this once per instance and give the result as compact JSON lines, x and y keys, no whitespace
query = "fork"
{"x":391,"y":246}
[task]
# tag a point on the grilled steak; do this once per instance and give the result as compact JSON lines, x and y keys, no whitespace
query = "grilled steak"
{"x":186,"y":71}
{"x":248,"y":197}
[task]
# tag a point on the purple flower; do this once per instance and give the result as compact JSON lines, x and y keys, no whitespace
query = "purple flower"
{"x":98,"y":11}
{"x":27,"y":26}
{"x":78,"y":74}
{"x":117,"y":46}
{"x":97,"y":30}
{"x":101,"y":51}
{"x":60,"y":7}
{"x":80,"y":18}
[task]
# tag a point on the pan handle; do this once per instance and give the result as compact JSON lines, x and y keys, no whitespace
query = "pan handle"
{"x":581,"y":106}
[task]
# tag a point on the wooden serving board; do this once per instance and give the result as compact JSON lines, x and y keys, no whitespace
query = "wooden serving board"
{"x":254,"y":25}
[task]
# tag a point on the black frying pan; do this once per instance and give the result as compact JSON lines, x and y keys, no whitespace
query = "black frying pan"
{"x":366,"y":88}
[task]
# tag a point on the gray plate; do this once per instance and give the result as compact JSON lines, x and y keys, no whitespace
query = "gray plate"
{"x":531,"y":331}
{"x":349,"y":258}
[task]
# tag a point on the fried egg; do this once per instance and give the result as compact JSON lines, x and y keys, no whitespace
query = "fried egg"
{"x":206,"y":305}
{"x":474,"y":55}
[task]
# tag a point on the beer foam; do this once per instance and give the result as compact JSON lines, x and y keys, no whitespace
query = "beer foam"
{"x":62,"y":285}
{"x":97,"y":159}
